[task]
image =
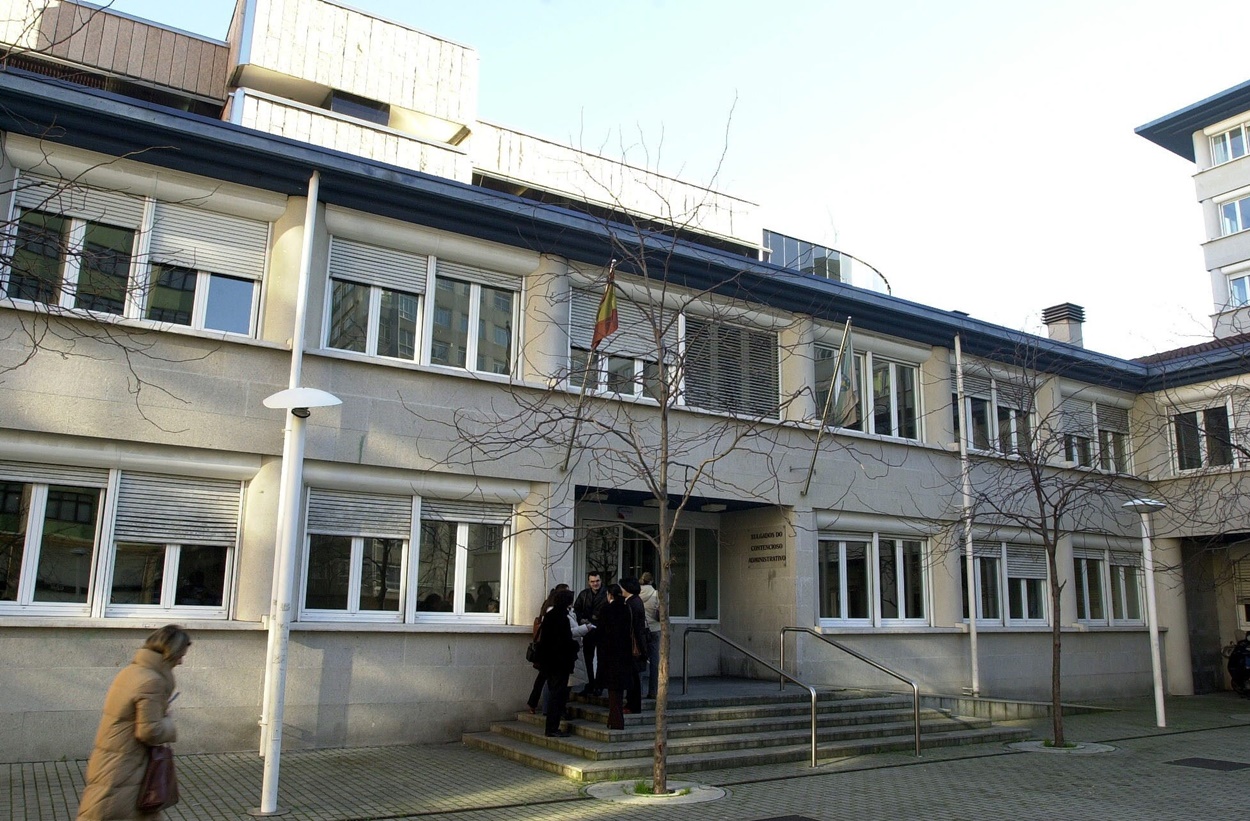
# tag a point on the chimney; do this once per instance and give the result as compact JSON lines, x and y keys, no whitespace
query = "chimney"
{"x":1063,"y":322}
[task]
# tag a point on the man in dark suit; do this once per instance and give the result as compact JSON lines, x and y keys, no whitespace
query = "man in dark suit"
{"x":587,"y":608}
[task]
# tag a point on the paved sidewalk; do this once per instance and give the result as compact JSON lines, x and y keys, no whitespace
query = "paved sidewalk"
{"x":1136,"y":781}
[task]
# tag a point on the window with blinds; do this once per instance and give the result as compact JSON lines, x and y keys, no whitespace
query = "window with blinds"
{"x":731,"y":369}
{"x":999,"y":413}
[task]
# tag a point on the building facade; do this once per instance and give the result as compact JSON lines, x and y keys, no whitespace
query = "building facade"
{"x":180,"y":229}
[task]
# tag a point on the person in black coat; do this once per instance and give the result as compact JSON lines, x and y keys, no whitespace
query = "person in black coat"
{"x":557,"y":655}
{"x":587,"y":608}
{"x":638,"y":626}
{"x":616,"y":657}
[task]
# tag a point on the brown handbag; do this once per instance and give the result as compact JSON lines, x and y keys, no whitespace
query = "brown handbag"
{"x":159,"y":789}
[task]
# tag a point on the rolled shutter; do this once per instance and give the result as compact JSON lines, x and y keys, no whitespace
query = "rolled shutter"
{"x":1026,"y":562}
{"x":73,"y":199}
{"x":373,"y":265}
{"x":635,"y":337}
{"x":53,"y":474}
{"x":973,"y":385}
{"x":177,"y":509}
{"x":987,"y":550}
{"x":447,"y":510}
{"x":482,"y":276}
{"x":1112,"y":418}
{"x":343,"y":513}
{"x":1241,"y":580}
{"x":1126,"y":559}
{"x":1014,"y":395}
{"x":209,"y":241}
{"x":731,"y":369}
{"x":1088,"y":553}
{"x":1077,"y":416}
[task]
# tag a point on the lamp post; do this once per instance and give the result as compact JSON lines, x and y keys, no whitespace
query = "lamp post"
{"x":297,"y":401}
{"x":1144,"y":507}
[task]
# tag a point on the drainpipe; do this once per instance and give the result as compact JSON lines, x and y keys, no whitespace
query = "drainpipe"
{"x":966,"y":482}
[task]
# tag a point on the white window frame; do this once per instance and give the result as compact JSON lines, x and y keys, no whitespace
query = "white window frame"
{"x":1200,"y":412}
{"x":1241,"y":592}
{"x":169,"y":586}
{"x":71,"y":263}
{"x":1238,"y":289}
{"x":596,"y":376}
{"x":374,"y":319}
{"x":694,"y":571}
{"x":354,"y":612}
{"x":1110,"y":582}
{"x":199,"y":310}
{"x":473,"y":322}
{"x":36,"y":514}
{"x":1234,"y":215}
{"x":993,"y":405}
{"x":864,"y":367}
{"x":1004,"y":582}
{"x":1225,"y":139}
{"x":458,"y":614}
{"x":874,"y":580}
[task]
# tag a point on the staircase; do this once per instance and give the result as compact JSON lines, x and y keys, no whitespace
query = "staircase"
{"x":726,"y":723}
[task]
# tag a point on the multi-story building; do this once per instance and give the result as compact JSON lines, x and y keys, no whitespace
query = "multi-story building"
{"x":195,"y":225}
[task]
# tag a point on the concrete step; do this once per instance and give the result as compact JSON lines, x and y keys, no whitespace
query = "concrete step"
{"x":684,"y":712}
{"x":561,"y":758}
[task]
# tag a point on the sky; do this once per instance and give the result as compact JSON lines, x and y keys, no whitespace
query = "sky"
{"x":979,"y":153}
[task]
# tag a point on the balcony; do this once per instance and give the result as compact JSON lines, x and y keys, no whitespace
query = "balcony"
{"x":1227,"y":250}
{"x":1220,"y":179}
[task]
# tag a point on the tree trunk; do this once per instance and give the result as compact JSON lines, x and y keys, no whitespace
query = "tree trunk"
{"x":1056,"y":700}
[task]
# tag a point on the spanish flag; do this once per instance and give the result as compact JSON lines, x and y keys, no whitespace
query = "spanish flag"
{"x":607,"y":320}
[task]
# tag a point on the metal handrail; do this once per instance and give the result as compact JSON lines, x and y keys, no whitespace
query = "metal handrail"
{"x":915,"y":690}
{"x":685,"y":671}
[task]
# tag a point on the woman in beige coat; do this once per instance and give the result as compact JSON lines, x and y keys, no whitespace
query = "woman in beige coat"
{"x":136,"y":716}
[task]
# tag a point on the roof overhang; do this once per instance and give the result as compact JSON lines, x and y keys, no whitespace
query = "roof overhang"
{"x":117,"y":126}
{"x":1175,"y":131}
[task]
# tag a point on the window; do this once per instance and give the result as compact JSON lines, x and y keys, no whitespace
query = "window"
{"x":47,"y":545}
{"x":889,"y":404}
{"x":1241,"y":592}
{"x":1095,"y":433}
{"x":731,"y":369}
{"x":356,"y":552}
{"x":174,"y":540}
{"x":1238,"y":290}
{"x":999,"y":413}
{"x":805,"y":257}
{"x":199,"y":299}
{"x":1202,"y":438}
{"x":75,"y":249}
{"x":1009,"y":573}
{"x":1234,"y":216}
{"x":362,"y":108}
{"x":1109,"y":586}
{"x":71,"y":263}
{"x":626,"y":362}
{"x":872,"y":580}
{"x":474,"y":319}
{"x":463,"y":560}
{"x":1228,"y":145}
{"x":694,"y":589}
{"x":374,"y":299}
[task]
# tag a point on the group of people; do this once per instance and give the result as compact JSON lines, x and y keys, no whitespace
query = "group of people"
{"x":617,"y":627}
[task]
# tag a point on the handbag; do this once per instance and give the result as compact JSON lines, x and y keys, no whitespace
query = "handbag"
{"x":159,"y":788}
{"x":531,"y":651}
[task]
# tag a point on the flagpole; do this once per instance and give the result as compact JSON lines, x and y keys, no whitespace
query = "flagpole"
{"x":590,"y":361}
{"x":824,"y":416}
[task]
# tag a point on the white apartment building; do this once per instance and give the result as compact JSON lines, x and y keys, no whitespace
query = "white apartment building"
{"x":185,"y":216}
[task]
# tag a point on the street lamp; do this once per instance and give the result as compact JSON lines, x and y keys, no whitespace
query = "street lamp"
{"x":298,"y":401}
{"x":1144,"y":507}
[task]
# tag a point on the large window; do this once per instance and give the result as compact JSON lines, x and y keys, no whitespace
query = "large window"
{"x":889,"y":402}
{"x":617,"y":551}
{"x":463,"y":560}
{"x":173,"y":546}
{"x":622,"y":375}
{"x":47,"y":545}
{"x":76,"y":247}
{"x":1234,"y":216}
{"x":375,"y":299}
{"x":172,"y":542}
{"x":731,"y":369}
{"x":1228,"y":145}
{"x":1202,"y":438}
{"x":1109,"y":586}
{"x":474,"y":325}
{"x":71,"y":263}
{"x":999,"y":414}
{"x":626,"y":362}
{"x":1010,"y":583}
{"x":872,"y":580}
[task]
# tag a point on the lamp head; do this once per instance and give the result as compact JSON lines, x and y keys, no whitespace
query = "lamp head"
{"x":1144,"y":505}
